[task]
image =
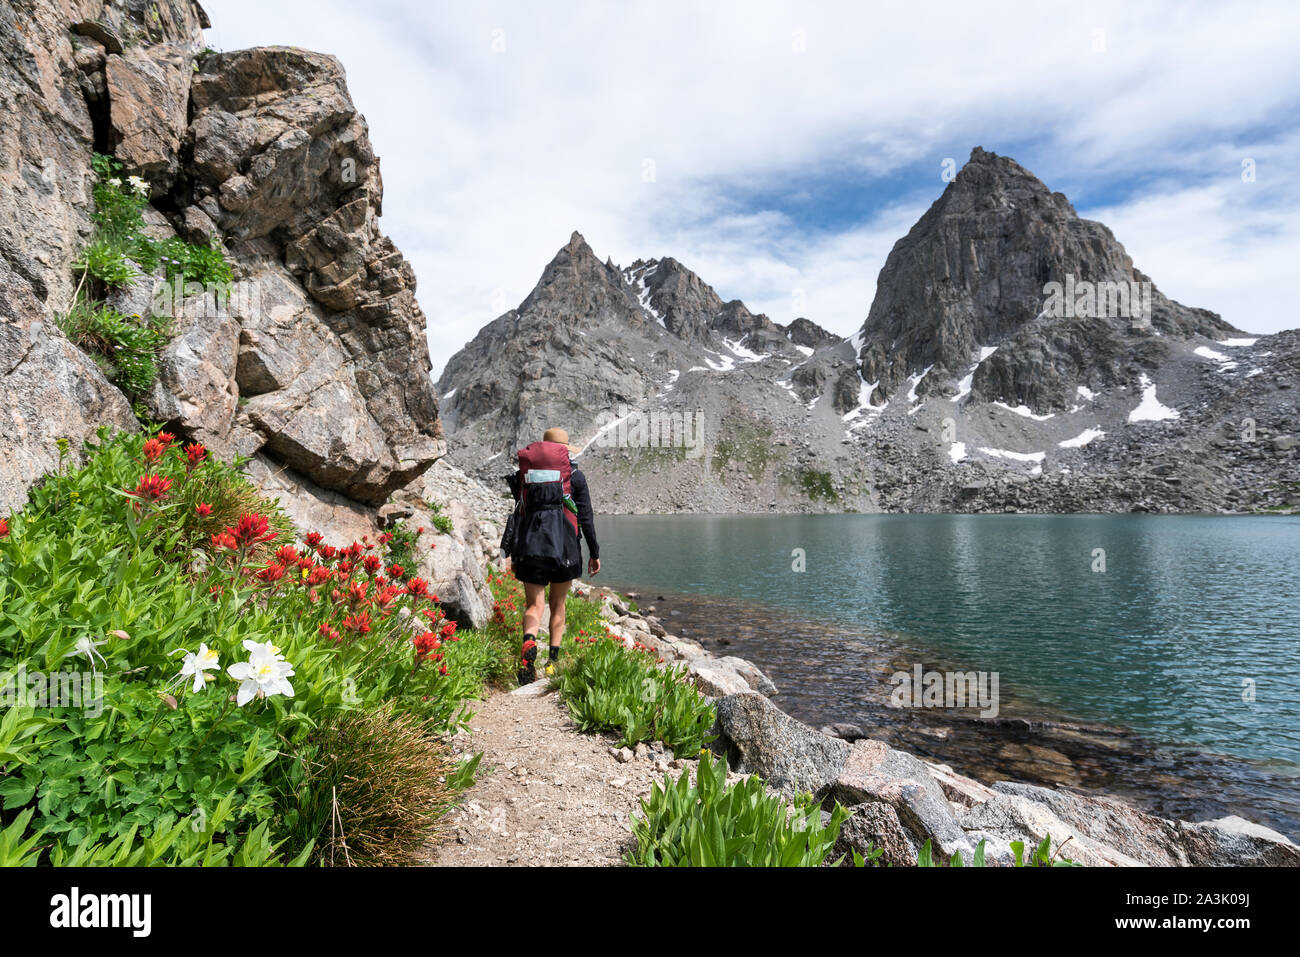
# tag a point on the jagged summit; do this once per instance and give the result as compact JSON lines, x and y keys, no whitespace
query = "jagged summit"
{"x":971,"y":276}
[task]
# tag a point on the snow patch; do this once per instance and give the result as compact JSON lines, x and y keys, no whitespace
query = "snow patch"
{"x":1034,"y":457}
{"x":1025,"y":412}
{"x":1238,"y":343}
{"x":1082,"y":439}
{"x":448,"y":395}
{"x":957,"y":452}
{"x":1150,"y":409}
{"x":864,"y":403}
{"x":806,"y":350}
{"x":964,"y":386}
{"x":1085,"y":393}
{"x":914,"y":381}
{"x":1207,"y":353}
{"x":637,"y":280}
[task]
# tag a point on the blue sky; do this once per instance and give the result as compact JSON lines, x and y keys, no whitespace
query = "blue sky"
{"x":780,"y":148}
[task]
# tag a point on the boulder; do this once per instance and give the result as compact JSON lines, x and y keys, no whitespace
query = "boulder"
{"x":957,"y":788}
{"x":876,"y":825}
{"x":762,"y":739}
{"x":148,"y":95}
{"x":1144,"y":837}
{"x":1008,"y":817}
{"x":334,"y":362}
{"x":875,"y":772}
{"x":195,"y":391}
{"x":449,"y":565}
{"x":1234,"y":842}
{"x":715,"y":678}
{"x":312,"y":508}
{"x":751,"y":673}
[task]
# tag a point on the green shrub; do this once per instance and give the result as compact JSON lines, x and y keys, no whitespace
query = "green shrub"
{"x":713,"y":824}
{"x":373,"y":785}
{"x":441,"y":522}
{"x":125,"y":349}
{"x":106,"y":261}
{"x":608,"y":687}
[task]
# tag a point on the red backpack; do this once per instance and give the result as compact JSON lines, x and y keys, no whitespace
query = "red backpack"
{"x":547,"y":528}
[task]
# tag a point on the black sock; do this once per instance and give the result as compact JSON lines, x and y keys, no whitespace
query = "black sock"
{"x":528,"y":637}
{"x":555,"y":653}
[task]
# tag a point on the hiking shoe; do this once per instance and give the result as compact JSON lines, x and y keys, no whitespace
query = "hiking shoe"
{"x":528,"y":673}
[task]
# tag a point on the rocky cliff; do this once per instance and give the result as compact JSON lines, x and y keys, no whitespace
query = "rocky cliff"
{"x":1013,"y":358}
{"x":312,"y":362}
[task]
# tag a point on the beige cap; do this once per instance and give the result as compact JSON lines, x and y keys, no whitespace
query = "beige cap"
{"x":561,"y":436}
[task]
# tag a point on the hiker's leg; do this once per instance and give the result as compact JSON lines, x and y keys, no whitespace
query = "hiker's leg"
{"x":559,"y":590}
{"x":534,"y":607}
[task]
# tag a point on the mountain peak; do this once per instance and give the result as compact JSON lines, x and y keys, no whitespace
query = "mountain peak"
{"x":972,"y":274}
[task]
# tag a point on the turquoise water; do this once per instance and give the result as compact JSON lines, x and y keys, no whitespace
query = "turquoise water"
{"x":1166,"y":641}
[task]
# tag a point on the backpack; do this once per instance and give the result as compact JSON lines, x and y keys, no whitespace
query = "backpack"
{"x":545,"y":528}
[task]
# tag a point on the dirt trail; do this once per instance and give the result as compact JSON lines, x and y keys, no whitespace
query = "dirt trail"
{"x":546,"y":793}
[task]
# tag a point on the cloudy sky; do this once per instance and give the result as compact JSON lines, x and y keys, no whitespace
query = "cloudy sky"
{"x":780,"y":148}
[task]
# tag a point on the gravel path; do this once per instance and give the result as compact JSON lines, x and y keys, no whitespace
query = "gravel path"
{"x":546,"y":793}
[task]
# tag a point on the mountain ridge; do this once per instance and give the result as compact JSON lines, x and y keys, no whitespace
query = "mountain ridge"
{"x":1011,"y":351}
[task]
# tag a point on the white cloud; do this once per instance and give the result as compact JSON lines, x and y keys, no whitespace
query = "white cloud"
{"x":490,"y":158}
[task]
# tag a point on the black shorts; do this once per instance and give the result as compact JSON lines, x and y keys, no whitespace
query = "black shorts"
{"x":545,"y":571}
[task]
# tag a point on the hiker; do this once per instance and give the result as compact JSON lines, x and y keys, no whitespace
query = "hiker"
{"x":541,"y":539}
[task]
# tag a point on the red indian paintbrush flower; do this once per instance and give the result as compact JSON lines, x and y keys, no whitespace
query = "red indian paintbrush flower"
{"x":417,"y":587}
{"x":426,"y":644}
{"x":153,"y":450}
{"x":203,"y":509}
{"x":396,"y":571}
{"x":360,"y":622}
{"x":195,"y":453}
{"x":166,"y":438}
{"x":224,"y":540}
{"x":287,"y":555}
{"x":372,"y":563}
{"x":250,"y":530}
{"x":271,"y":573}
{"x":4,"y":528}
{"x":328,"y":632}
{"x":314,"y":540}
{"x":151,"y":488}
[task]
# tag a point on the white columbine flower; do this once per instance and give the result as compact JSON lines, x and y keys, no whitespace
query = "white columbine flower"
{"x":114,"y":181}
{"x":264,"y":674}
{"x":199,"y":664}
{"x":87,"y":647}
{"x":137,"y":184}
